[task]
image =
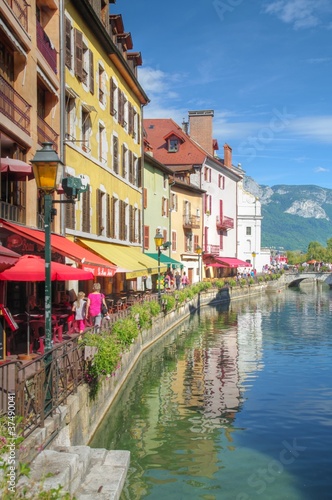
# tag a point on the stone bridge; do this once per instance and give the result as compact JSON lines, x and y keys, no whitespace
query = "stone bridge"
{"x":294,"y":278}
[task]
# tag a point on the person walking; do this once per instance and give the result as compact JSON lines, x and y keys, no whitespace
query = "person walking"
{"x":79,"y":308}
{"x":184,"y":280}
{"x":177,"y":280}
{"x":93,"y":306}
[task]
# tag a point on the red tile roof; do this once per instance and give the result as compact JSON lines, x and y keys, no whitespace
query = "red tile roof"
{"x":189,"y":152}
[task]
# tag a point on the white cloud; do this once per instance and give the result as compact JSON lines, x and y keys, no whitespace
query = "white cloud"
{"x":319,"y":170}
{"x":299,"y":13}
{"x":318,"y":128}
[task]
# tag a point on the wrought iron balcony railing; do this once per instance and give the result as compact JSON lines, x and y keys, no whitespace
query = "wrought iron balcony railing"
{"x":191,"y":222}
{"x":224,"y":222}
{"x":45,"y":133}
{"x":45,"y":46}
{"x":20,"y":11}
{"x":14,"y":106}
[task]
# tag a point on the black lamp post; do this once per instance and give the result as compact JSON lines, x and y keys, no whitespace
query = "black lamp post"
{"x":159,"y":241}
{"x":45,"y":166}
{"x":199,"y":253}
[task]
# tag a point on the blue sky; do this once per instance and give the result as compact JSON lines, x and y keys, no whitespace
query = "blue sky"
{"x":263,"y":66}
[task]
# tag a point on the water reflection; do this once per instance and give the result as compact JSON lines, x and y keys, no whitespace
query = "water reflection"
{"x":234,"y":404}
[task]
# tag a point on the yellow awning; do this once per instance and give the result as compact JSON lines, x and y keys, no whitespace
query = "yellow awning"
{"x":131,"y":259}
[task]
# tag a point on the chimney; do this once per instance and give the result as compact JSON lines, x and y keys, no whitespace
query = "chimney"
{"x":227,"y":156}
{"x":200,"y":128}
{"x":185,"y":126}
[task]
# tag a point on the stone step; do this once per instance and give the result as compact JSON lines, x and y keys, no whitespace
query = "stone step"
{"x":81,"y":471}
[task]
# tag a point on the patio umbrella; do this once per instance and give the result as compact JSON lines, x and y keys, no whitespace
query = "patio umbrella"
{"x":32,"y":268}
{"x":16,"y":169}
{"x":7,"y":258}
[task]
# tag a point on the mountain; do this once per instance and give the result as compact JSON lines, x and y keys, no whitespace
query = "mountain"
{"x":293,"y":216}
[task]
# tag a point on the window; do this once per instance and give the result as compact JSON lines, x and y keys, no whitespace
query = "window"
{"x":207,"y":204}
{"x":164,"y":207}
{"x":145,"y":198}
{"x":102,"y":144}
{"x":78,"y":54}
{"x":123,"y":226}
{"x":86,"y":226}
{"x":174,"y":202}
{"x":134,"y":225}
{"x":114,"y":209}
{"x":173,"y":145}
{"x":86,"y":130}
{"x":70,"y":117}
{"x":221,"y":181}
{"x":207,"y":174}
{"x":248,"y":231}
{"x":101,"y":84}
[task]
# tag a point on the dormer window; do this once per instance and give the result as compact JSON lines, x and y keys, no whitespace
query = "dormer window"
{"x":173,"y":145}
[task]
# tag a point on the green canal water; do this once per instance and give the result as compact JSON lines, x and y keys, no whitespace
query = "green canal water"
{"x":234,"y":404}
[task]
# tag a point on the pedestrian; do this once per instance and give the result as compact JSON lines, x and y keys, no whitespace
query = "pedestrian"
{"x":185,"y":279}
{"x":94,"y":305}
{"x":177,"y":281}
{"x":79,"y":307}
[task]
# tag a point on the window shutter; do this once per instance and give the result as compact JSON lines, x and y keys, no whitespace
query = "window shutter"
{"x":120,"y":110}
{"x":115,"y":154}
{"x":167,"y":207}
{"x":124,"y":160}
{"x":68,"y":42}
{"x":91,"y":71}
{"x":108,"y":215}
{"x":145,"y":198}
{"x":139,"y":172}
{"x":112,"y":87}
{"x":174,"y":241}
{"x":138,"y":138}
{"x":99,"y":212}
{"x":131,"y":224}
{"x":78,"y":54}
{"x":131,"y":167}
{"x":70,"y":215}
{"x":112,"y":232}
{"x":146,"y":237}
{"x":86,"y":211}
{"x":195,"y":242}
{"x":139,"y":231}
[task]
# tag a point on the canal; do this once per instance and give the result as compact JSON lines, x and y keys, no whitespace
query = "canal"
{"x":234,"y":404}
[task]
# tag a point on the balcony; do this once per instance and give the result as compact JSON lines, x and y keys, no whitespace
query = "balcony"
{"x":212,"y":249}
{"x":45,"y":133}
{"x":11,"y":212}
{"x":224,"y":223}
{"x":191,"y":222}
{"x":14,"y":107}
{"x":20,"y":11}
{"x":46,"y":48}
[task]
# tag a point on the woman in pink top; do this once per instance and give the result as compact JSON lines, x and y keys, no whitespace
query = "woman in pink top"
{"x":93,"y":306}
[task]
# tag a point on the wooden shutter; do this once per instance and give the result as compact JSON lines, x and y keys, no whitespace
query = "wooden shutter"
{"x":124,"y":160}
{"x":99,"y":212}
{"x":70,"y":215}
{"x":115,"y":154}
{"x":108,"y":215}
{"x":139,"y":172}
{"x":86,"y":211}
{"x":78,"y":54}
{"x":68,"y":42}
{"x":196,"y":241}
{"x":120,"y":107}
{"x":146,"y":237}
{"x":112,"y":209}
{"x":145,"y":198}
{"x":91,"y":71}
{"x":139,"y":229}
{"x":131,"y":167}
{"x":131,"y":224}
{"x":112,"y":90}
{"x":174,"y":241}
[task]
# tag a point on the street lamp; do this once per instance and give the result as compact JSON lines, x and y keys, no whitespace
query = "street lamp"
{"x":45,"y":167}
{"x":159,"y":241}
{"x":199,"y":253}
{"x":253,"y":260}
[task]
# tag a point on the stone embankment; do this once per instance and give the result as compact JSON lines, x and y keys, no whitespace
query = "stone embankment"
{"x":94,"y":473}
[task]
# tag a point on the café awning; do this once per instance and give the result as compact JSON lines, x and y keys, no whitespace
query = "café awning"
{"x":165,"y":259}
{"x":86,"y":259}
{"x":232,"y":262}
{"x":131,"y":259}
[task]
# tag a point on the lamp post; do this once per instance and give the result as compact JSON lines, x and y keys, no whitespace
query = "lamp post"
{"x":159,"y":241}
{"x":199,"y":253}
{"x":45,"y":166}
{"x":253,"y":260}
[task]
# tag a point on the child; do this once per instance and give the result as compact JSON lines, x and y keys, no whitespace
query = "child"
{"x":79,"y":307}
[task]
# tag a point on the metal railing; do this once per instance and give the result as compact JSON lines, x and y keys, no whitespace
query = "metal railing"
{"x":52,"y":377}
{"x":45,"y":133}
{"x":20,"y":11}
{"x":224,"y":222}
{"x":46,"y":48}
{"x":191,"y":221}
{"x":14,"y":106}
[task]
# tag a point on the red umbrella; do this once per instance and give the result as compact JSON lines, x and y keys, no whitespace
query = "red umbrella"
{"x":16,"y":169}
{"x":7,"y":258}
{"x":32,"y":268}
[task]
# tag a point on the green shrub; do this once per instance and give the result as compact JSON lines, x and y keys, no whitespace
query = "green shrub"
{"x":169,"y":302}
{"x":220,"y":284}
{"x":126,"y":330}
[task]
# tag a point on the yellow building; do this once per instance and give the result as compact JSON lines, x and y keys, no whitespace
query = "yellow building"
{"x":103,"y":104}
